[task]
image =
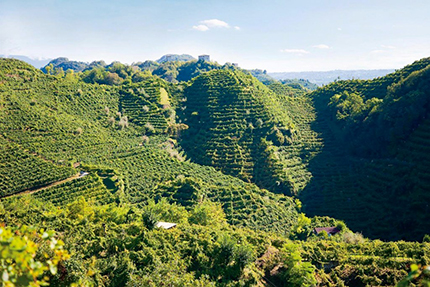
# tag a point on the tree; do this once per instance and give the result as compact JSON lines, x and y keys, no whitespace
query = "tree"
{"x":208,"y":213}
{"x":297,"y":273}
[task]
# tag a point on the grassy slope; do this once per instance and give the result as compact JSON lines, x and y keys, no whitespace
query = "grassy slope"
{"x":67,"y":122}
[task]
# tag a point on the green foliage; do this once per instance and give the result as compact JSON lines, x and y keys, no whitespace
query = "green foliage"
{"x":277,"y":137}
{"x":29,"y":257}
{"x":298,"y":272}
{"x":165,"y":211}
{"x":208,"y":213}
{"x":417,"y":274}
{"x":346,"y":105}
{"x":150,"y":219}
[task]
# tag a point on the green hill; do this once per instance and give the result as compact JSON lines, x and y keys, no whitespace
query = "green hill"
{"x":65,"y":64}
{"x":372,"y":171}
{"x":52,"y":123}
{"x":242,"y":128}
{"x":103,"y":162}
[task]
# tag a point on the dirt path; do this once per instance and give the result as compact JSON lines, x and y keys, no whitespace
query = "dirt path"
{"x":30,"y":191}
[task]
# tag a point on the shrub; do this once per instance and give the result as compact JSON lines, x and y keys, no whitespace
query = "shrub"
{"x":208,"y":213}
{"x":19,"y":263}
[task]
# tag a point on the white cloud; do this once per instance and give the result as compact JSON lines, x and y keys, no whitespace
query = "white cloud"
{"x":295,"y":51}
{"x":215,"y":23}
{"x":321,"y":46}
{"x":339,"y":29}
{"x":201,"y":28}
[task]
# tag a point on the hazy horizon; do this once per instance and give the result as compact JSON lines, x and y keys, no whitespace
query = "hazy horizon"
{"x":298,"y":36}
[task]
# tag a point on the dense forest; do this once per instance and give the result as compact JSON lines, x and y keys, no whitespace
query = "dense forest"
{"x":180,"y":172}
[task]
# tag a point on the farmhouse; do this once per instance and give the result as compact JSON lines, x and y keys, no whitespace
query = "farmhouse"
{"x":330,"y":230}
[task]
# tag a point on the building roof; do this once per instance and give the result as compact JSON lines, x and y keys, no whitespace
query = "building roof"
{"x":330,"y":230}
{"x":165,"y":225}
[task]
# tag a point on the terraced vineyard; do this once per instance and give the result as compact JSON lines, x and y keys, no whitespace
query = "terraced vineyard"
{"x":372,"y":263}
{"x":130,"y":162}
{"x":147,"y":171}
{"x":242,"y":128}
{"x":143,"y":106}
{"x":90,"y":187}
{"x":21,"y":170}
{"x":86,"y":135}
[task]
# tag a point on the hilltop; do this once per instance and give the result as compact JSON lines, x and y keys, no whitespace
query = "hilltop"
{"x":37,"y":63}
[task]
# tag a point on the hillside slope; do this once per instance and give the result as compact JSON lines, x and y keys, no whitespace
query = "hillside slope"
{"x":372,"y":170}
{"x":242,"y":128}
{"x":120,"y":135}
{"x":103,"y":166}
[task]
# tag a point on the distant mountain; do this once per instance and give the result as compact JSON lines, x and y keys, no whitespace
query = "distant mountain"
{"x":175,"y":57}
{"x":297,"y":83}
{"x":66,"y":64}
{"x":323,"y":78}
{"x":37,"y":63}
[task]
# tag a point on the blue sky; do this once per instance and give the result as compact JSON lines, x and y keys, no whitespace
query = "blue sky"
{"x":277,"y":36}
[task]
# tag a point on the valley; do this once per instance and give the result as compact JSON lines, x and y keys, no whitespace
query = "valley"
{"x":246,"y":168}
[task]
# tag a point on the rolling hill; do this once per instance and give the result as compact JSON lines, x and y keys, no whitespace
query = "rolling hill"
{"x":103,"y":159}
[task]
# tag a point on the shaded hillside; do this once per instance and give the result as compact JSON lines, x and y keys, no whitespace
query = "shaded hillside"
{"x":372,"y":170}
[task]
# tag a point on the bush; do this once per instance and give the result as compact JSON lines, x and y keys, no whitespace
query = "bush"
{"x":208,"y":213}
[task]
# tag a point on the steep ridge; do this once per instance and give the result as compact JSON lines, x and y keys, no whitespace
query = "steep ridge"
{"x":242,"y":128}
{"x":371,"y":166}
